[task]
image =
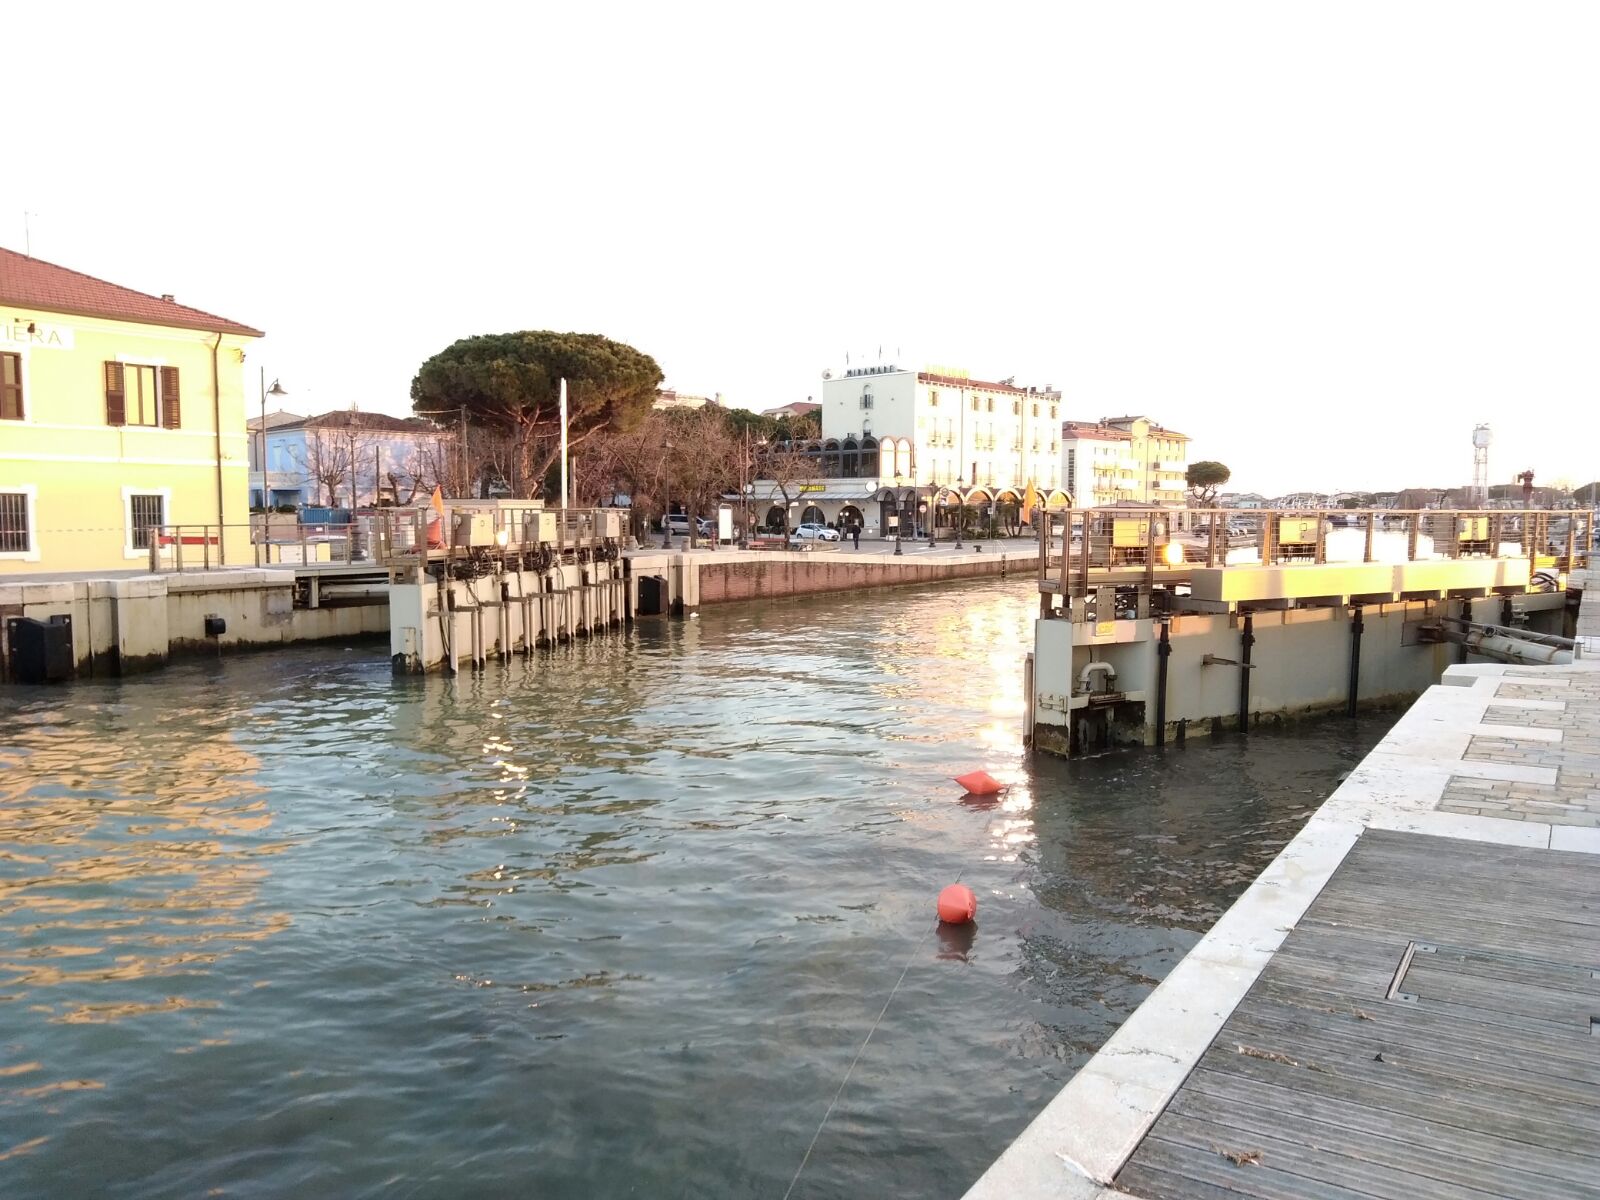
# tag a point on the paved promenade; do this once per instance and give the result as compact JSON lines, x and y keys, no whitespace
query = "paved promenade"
{"x":1404,"y":1004}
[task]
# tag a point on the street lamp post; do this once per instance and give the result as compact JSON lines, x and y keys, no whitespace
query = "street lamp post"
{"x":275,"y":390}
{"x":961,"y":509}
{"x":899,"y":514}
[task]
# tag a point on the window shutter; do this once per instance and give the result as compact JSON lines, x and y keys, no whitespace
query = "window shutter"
{"x":116,"y":399}
{"x":169,"y":397}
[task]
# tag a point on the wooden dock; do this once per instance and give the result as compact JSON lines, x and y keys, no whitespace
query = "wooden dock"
{"x":1428,"y":1029}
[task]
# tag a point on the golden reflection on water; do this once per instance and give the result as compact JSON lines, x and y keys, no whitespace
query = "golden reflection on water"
{"x":975,"y":656}
{"x":23,"y":1148}
{"x":132,"y":813}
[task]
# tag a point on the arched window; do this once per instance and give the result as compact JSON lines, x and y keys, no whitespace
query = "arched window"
{"x":869,"y":457}
{"x":851,"y":456}
{"x":831,"y":458}
{"x":886,"y":449}
{"x":902,"y":458}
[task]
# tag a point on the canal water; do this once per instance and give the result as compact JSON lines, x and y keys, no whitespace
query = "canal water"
{"x":613,"y":922}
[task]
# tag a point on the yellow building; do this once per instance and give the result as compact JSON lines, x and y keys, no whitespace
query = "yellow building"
{"x":1124,"y":460}
{"x":119,"y":412}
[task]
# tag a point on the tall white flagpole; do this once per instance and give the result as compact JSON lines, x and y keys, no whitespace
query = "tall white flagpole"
{"x":563,"y":443}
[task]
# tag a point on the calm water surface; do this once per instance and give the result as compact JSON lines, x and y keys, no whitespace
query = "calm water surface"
{"x":610,"y":923}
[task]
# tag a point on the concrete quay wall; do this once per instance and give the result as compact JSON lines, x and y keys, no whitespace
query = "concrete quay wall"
{"x":125,"y":625}
{"x":1300,"y":664}
{"x":724,"y":576}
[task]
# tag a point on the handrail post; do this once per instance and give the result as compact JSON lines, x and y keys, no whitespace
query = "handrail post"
{"x":1065,"y":571}
{"x":1150,"y":550}
{"x":1042,"y":530}
{"x":1083,"y":553}
{"x":152,"y":543}
{"x":1368,"y":521}
{"x":1211,"y":540}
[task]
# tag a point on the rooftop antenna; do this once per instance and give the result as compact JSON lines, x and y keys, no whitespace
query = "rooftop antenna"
{"x":27,"y":233}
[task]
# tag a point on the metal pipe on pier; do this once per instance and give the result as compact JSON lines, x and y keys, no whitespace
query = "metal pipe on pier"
{"x":1354,"y":693}
{"x":1246,"y":640}
{"x":1163,"y":653}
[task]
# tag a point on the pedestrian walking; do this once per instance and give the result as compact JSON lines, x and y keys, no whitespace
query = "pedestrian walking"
{"x":855,"y":533}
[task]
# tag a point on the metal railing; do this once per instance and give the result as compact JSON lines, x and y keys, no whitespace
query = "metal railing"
{"x":1161,"y":542}
{"x":409,"y":537}
{"x":389,"y":537}
{"x":178,"y":548}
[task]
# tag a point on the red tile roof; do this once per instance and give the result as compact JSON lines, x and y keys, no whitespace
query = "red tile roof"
{"x":349,"y":418}
{"x":975,"y":384}
{"x":1096,"y":432}
{"x":1110,"y":429}
{"x":38,"y":284}
{"x":1158,"y":430}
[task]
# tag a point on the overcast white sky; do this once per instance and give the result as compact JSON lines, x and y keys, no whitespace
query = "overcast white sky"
{"x":1324,"y":240}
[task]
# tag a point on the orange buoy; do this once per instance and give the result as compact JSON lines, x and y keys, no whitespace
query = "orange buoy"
{"x":957,"y":904}
{"x":979,"y":783}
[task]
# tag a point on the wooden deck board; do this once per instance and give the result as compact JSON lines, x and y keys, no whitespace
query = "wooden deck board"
{"x":1481,"y":1078}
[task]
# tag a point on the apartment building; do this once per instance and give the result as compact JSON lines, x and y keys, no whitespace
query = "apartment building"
{"x":943,"y":428}
{"x":1124,"y":460}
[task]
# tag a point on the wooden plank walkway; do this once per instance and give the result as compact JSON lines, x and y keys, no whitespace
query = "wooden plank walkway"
{"x":1430,"y":1028}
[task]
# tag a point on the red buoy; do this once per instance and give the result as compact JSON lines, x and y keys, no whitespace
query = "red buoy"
{"x":979,"y":783}
{"x":957,"y":904}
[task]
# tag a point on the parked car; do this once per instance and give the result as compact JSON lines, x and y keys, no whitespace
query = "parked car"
{"x":813,"y":532}
{"x":678,"y":525}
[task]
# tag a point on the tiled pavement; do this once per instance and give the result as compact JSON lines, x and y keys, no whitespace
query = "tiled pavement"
{"x":1589,"y":614}
{"x":1563,"y":735}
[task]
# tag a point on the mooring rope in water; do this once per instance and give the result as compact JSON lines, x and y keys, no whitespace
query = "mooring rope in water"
{"x":916,"y":945}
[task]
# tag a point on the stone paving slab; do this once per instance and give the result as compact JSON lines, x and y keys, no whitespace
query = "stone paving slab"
{"x":1563,"y":735}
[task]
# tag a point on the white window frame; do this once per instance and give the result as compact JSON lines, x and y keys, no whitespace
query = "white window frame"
{"x":129,"y":550}
{"x":30,"y":495}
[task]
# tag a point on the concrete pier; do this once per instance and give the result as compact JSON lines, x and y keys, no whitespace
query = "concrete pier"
{"x":1139,"y":665}
{"x":136,"y":622}
{"x":465,"y":621}
{"x":1403,"y":1004}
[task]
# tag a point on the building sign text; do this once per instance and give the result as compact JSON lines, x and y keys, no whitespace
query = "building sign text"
{"x":29,"y":333}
